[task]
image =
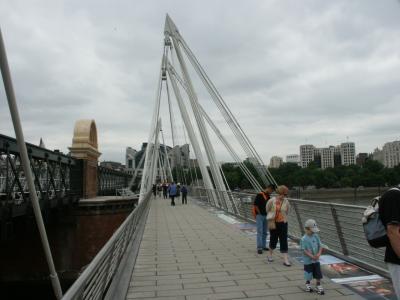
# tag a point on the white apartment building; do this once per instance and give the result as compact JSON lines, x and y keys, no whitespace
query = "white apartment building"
{"x":327,"y":158}
{"x":348,"y":153}
{"x":306,"y":155}
{"x":275,"y":162}
{"x":293,"y":158}
{"x":391,"y":154}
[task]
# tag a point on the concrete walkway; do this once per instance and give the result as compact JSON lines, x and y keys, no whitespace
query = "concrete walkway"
{"x":189,"y":253}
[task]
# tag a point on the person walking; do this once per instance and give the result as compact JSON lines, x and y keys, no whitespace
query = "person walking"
{"x":178,"y":189}
{"x":165,"y":190}
{"x":389,"y":213}
{"x":277,"y":212}
{"x":311,"y":246}
{"x":260,"y":213}
{"x":184,"y":192}
{"x":172,"y":191}
{"x":154,"y":190}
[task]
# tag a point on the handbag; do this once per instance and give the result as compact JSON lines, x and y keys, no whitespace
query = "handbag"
{"x":271,"y":220}
{"x":271,"y":224}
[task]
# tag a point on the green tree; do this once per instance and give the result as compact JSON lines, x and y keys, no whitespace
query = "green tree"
{"x":373,"y":166}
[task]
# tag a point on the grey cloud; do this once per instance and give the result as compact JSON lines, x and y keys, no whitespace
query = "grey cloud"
{"x":291,"y":71}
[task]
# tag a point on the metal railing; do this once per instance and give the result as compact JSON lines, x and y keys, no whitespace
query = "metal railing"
{"x":109,"y":181}
{"x":96,"y":279}
{"x":51,"y":171}
{"x":341,"y":227}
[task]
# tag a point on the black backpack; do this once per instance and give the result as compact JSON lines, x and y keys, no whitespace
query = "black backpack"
{"x":375,"y":231}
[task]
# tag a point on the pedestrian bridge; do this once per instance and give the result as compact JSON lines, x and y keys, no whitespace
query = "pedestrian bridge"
{"x":198,"y":251}
{"x":187,"y":252}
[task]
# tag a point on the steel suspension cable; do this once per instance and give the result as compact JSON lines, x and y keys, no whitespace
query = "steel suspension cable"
{"x":225,"y":109}
{"x":253,"y":181}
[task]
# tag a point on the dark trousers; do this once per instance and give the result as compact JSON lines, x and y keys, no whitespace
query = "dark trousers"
{"x":184,"y":199}
{"x":313,"y":271}
{"x":281,"y":233}
{"x":172,"y":200}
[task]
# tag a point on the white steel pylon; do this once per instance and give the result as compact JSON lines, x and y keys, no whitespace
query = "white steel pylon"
{"x":175,"y":47}
{"x":171,"y":31}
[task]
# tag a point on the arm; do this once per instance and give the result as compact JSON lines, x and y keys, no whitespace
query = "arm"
{"x":309,"y":254}
{"x":256,"y":202}
{"x":269,"y":205}
{"x":318,"y":254}
{"x":319,"y":249}
{"x":393,"y":233}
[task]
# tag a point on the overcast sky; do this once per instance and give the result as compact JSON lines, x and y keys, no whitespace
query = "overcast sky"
{"x":292,"y":72}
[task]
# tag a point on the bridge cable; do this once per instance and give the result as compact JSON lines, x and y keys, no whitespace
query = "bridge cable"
{"x":231,"y":120}
{"x":243,"y":167}
{"x":184,"y":136}
{"x":192,"y":137}
{"x":200,"y":123}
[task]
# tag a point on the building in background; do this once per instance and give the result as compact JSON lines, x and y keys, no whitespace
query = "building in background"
{"x":117,"y":166}
{"x":378,"y":155}
{"x":328,"y":157}
{"x":337,"y":159}
{"x":178,"y":156}
{"x":391,"y":154}
{"x":275,"y":162}
{"x":306,"y":155}
{"x":361,"y":158}
{"x":130,"y":164}
{"x":293,"y":158}
{"x":348,"y":153}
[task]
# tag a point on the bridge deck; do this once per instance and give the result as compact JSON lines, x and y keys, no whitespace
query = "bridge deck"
{"x":188,"y":253}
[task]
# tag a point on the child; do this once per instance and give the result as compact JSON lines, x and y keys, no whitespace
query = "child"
{"x":311,"y":246}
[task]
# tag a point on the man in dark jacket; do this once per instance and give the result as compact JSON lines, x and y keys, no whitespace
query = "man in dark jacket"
{"x":389,"y":212}
{"x":259,"y":208}
{"x":184,"y":192}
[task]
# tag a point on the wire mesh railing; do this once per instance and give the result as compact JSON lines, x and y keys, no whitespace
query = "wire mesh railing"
{"x":341,"y":227}
{"x":96,"y":279}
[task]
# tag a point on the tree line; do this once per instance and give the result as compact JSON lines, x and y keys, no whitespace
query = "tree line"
{"x":371,"y":174}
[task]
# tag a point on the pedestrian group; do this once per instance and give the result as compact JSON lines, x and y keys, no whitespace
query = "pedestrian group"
{"x":271,"y":213}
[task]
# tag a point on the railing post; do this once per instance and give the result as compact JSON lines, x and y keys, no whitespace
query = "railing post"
{"x":298,"y":216}
{"x":244,"y":208}
{"x":339,"y":231}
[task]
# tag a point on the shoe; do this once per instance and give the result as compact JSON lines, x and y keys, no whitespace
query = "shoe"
{"x":266,"y":249}
{"x":270,"y":259}
{"x":308,"y":288}
{"x":320,"y":290}
{"x":287,"y":264}
{"x":259,"y":251}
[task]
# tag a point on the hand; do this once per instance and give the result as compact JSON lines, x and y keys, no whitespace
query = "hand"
{"x":317,"y":256}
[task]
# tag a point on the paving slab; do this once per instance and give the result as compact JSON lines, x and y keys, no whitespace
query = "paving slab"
{"x":188,"y":252}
